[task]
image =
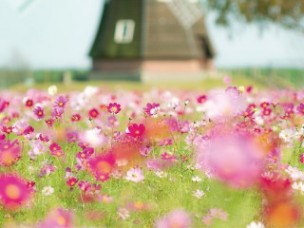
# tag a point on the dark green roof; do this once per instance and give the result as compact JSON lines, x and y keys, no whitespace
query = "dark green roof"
{"x":158,"y":33}
{"x":104,"y":45}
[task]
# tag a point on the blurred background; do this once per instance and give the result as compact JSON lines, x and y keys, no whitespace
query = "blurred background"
{"x":52,"y":40}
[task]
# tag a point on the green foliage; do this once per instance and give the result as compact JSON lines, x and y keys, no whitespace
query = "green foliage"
{"x":289,"y":13}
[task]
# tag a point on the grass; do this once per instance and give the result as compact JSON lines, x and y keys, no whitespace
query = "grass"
{"x":263,"y":78}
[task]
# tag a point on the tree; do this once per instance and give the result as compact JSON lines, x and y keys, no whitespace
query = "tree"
{"x":287,"y":13}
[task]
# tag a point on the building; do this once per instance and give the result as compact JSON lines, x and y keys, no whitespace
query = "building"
{"x":149,"y":39}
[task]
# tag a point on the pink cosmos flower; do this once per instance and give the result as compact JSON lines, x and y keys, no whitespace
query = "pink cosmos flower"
{"x":234,"y":158}
{"x":214,"y":213}
{"x":302,"y":158}
{"x":3,"y":104}
{"x":10,"y":152}
{"x":61,"y":102}
{"x":300,"y":108}
{"x":135,"y":175}
{"x":57,"y":112}
{"x":39,"y":112}
{"x":112,"y":121}
{"x":13,"y":191}
{"x":56,"y":150}
{"x":223,"y":104}
{"x":151,"y":109}
{"x":47,"y":170}
{"x":59,"y":218}
{"x":175,"y":219}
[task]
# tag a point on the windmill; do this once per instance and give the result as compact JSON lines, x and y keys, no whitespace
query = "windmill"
{"x":142,"y":39}
{"x":151,"y":38}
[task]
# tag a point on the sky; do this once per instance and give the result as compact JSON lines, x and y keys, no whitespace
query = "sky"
{"x":59,"y":34}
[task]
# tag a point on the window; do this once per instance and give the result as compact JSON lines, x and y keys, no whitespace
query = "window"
{"x":124,"y":31}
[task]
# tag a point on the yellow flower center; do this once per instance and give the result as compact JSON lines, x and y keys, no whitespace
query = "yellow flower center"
{"x":12,"y":191}
{"x":61,"y":220}
{"x":103,"y":167}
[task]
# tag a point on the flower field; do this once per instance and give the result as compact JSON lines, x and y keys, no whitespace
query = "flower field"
{"x":230,"y":157}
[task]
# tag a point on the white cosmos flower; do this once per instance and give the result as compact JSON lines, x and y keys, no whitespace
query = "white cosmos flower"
{"x":298,"y":186}
{"x":196,"y":179}
{"x":48,"y":190}
{"x":161,"y":174}
{"x":255,"y":225}
{"x":94,"y":137}
{"x":135,"y":175}
{"x":52,"y":90}
{"x":123,"y":213}
{"x":288,"y":135}
{"x":198,"y":193}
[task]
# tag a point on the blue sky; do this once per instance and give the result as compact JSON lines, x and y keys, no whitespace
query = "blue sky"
{"x":59,"y":33}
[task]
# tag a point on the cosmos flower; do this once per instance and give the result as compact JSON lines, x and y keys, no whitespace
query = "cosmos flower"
{"x":255,"y":225}
{"x":135,"y":175}
{"x":123,"y":213}
{"x":152,"y":109}
{"x":214,"y":213}
{"x":71,"y":182}
{"x":198,"y":193}
{"x":300,"y":108}
{"x":298,"y":186}
{"x":75,"y":117}
{"x":61,"y":102}
{"x":196,"y":179}
{"x":234,"y":158}
{"x":56,"y":150}
{"x":58,"y":218}
{"x":47,"y":191}
{"x":224,"y":104}
{"x":112,"y":121}
{"x":57,"y":112}
{"x":93,"y":113}
{"x":93,"y":137}
{"x":3,"y":104}
{"x":10,"y":152}
{"x":136,"y":130}
{"x":157,"y":129}
{"x":282,"y":214}
{"x":52,"y":90}
{"x":14,"y":191}
{"x":28,"y":103}
{"x":114,"y":108}
{"x":201,"y":99}
{"x":102,"y":166}
{"x":176,"y":218}
{"x":39,"y":112}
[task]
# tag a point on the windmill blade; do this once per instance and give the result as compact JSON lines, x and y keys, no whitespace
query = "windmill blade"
{"x":21,"y":6}
{"x":186,"y":11}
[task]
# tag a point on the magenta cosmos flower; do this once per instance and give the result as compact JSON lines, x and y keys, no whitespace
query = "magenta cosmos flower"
{"x":114,"y":108}
{"x":136,"y":130}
